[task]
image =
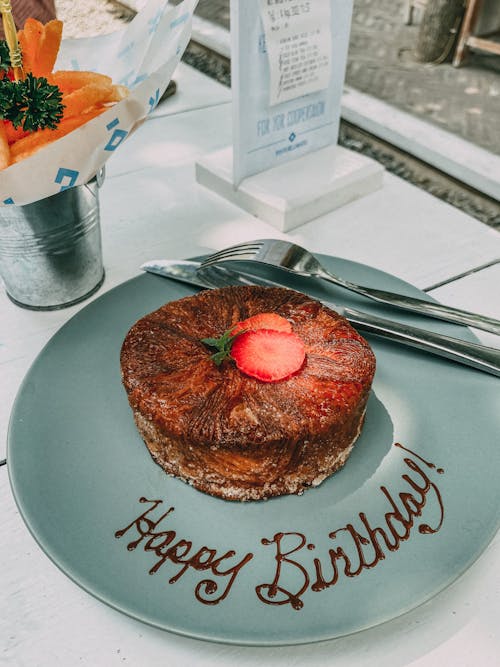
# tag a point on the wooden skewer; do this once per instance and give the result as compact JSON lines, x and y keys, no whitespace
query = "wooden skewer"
{"x":9,"y":28}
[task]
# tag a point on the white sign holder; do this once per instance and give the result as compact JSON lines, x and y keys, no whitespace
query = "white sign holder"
{"x":288,"y":61}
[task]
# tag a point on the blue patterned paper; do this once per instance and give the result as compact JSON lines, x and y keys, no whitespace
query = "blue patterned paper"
{"x":117,"y":137}
{"x":67,"y":177}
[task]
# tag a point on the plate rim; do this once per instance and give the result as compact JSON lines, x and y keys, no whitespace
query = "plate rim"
{"x":168,"y":627}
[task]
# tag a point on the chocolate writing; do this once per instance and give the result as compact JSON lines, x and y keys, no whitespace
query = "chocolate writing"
{"x":167,"y":548}
{"x":355,"y":549}
{"x":358,"y":546}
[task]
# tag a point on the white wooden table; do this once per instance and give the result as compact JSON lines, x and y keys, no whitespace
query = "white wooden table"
{"x":151,"y":207}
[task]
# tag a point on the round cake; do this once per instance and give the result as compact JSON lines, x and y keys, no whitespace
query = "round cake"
{"x":232,"y":435}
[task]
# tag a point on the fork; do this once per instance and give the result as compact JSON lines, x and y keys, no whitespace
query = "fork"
{"x":298,"y":260}
{"x":483,"y":358}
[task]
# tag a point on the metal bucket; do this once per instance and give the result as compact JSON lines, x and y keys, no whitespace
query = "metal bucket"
{"x":50,"y":251}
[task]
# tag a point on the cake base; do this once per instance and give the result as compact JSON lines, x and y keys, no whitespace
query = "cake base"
{"x":220,"y":481}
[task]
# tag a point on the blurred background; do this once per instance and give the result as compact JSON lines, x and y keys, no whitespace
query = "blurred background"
{"x":435,"y":61}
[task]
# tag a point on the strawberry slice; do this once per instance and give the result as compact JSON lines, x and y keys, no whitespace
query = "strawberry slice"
{"x":267,"y":354}
{"x":262,"y":321}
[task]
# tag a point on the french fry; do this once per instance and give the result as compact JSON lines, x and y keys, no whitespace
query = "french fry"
{"x":14,"y":134}
{"x":28,"y":145}
{"x":69,"y":81}
{"x":48,"y":48}
{"x":118,"y":93}
{"x":29,"y":40}
{"x":85,"y":97}
{"x":40,"y":45}
{"x":4,"y":147}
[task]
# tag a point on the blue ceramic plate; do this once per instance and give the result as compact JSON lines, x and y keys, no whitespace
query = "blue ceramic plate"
{"x":414,"y":506}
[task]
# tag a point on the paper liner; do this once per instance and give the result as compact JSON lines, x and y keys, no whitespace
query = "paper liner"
{"x":143,"y":57}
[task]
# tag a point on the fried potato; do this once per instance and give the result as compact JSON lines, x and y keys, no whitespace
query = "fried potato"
{"x":85,"y":95}
{"x":48,"y":48}
{"x":40,"y":45}
{"x":29,"y":40}
{"x":4,"y":147}
{"x":84,"y":98}
{"x":69,"y":81}
{"x":14,"y":134}
{"x":28,"y":145}
{"x":118,"y":93}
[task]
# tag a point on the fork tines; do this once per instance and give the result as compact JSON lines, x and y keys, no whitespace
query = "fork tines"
{"x":241,"y":251}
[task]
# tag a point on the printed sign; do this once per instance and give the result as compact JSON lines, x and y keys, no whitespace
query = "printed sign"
{"x":288,"y":62}
{"x":299,"y":46}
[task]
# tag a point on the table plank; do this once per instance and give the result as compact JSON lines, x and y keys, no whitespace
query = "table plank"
{"x":194,"y":91}
{"x":399,"y":228}
{"x":479,"y":292}
{"x":405,"y":231}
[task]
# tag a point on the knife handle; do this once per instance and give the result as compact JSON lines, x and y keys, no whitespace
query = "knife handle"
{"x":481,"y":357}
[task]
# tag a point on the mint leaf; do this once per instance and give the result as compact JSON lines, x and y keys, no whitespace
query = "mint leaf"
{"x":222,"y":345}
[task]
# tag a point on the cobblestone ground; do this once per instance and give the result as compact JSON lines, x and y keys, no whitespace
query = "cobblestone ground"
{"x":463,"y":100}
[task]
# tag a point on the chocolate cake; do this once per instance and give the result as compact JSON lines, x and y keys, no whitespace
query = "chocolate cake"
{"x":229,"y":434}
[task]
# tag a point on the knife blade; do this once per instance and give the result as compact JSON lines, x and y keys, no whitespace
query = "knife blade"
{"x":475,"y":355}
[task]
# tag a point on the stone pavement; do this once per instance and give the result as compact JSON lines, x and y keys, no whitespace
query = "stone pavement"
{"x":381,"y":62}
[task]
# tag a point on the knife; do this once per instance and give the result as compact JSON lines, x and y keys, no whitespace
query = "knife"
{"x":477,"y":356}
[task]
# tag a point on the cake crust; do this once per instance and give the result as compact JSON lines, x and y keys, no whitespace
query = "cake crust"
{"x":229,"y":434}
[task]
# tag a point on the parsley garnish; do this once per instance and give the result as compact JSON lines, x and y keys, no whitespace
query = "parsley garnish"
{"x":34,"y":103}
